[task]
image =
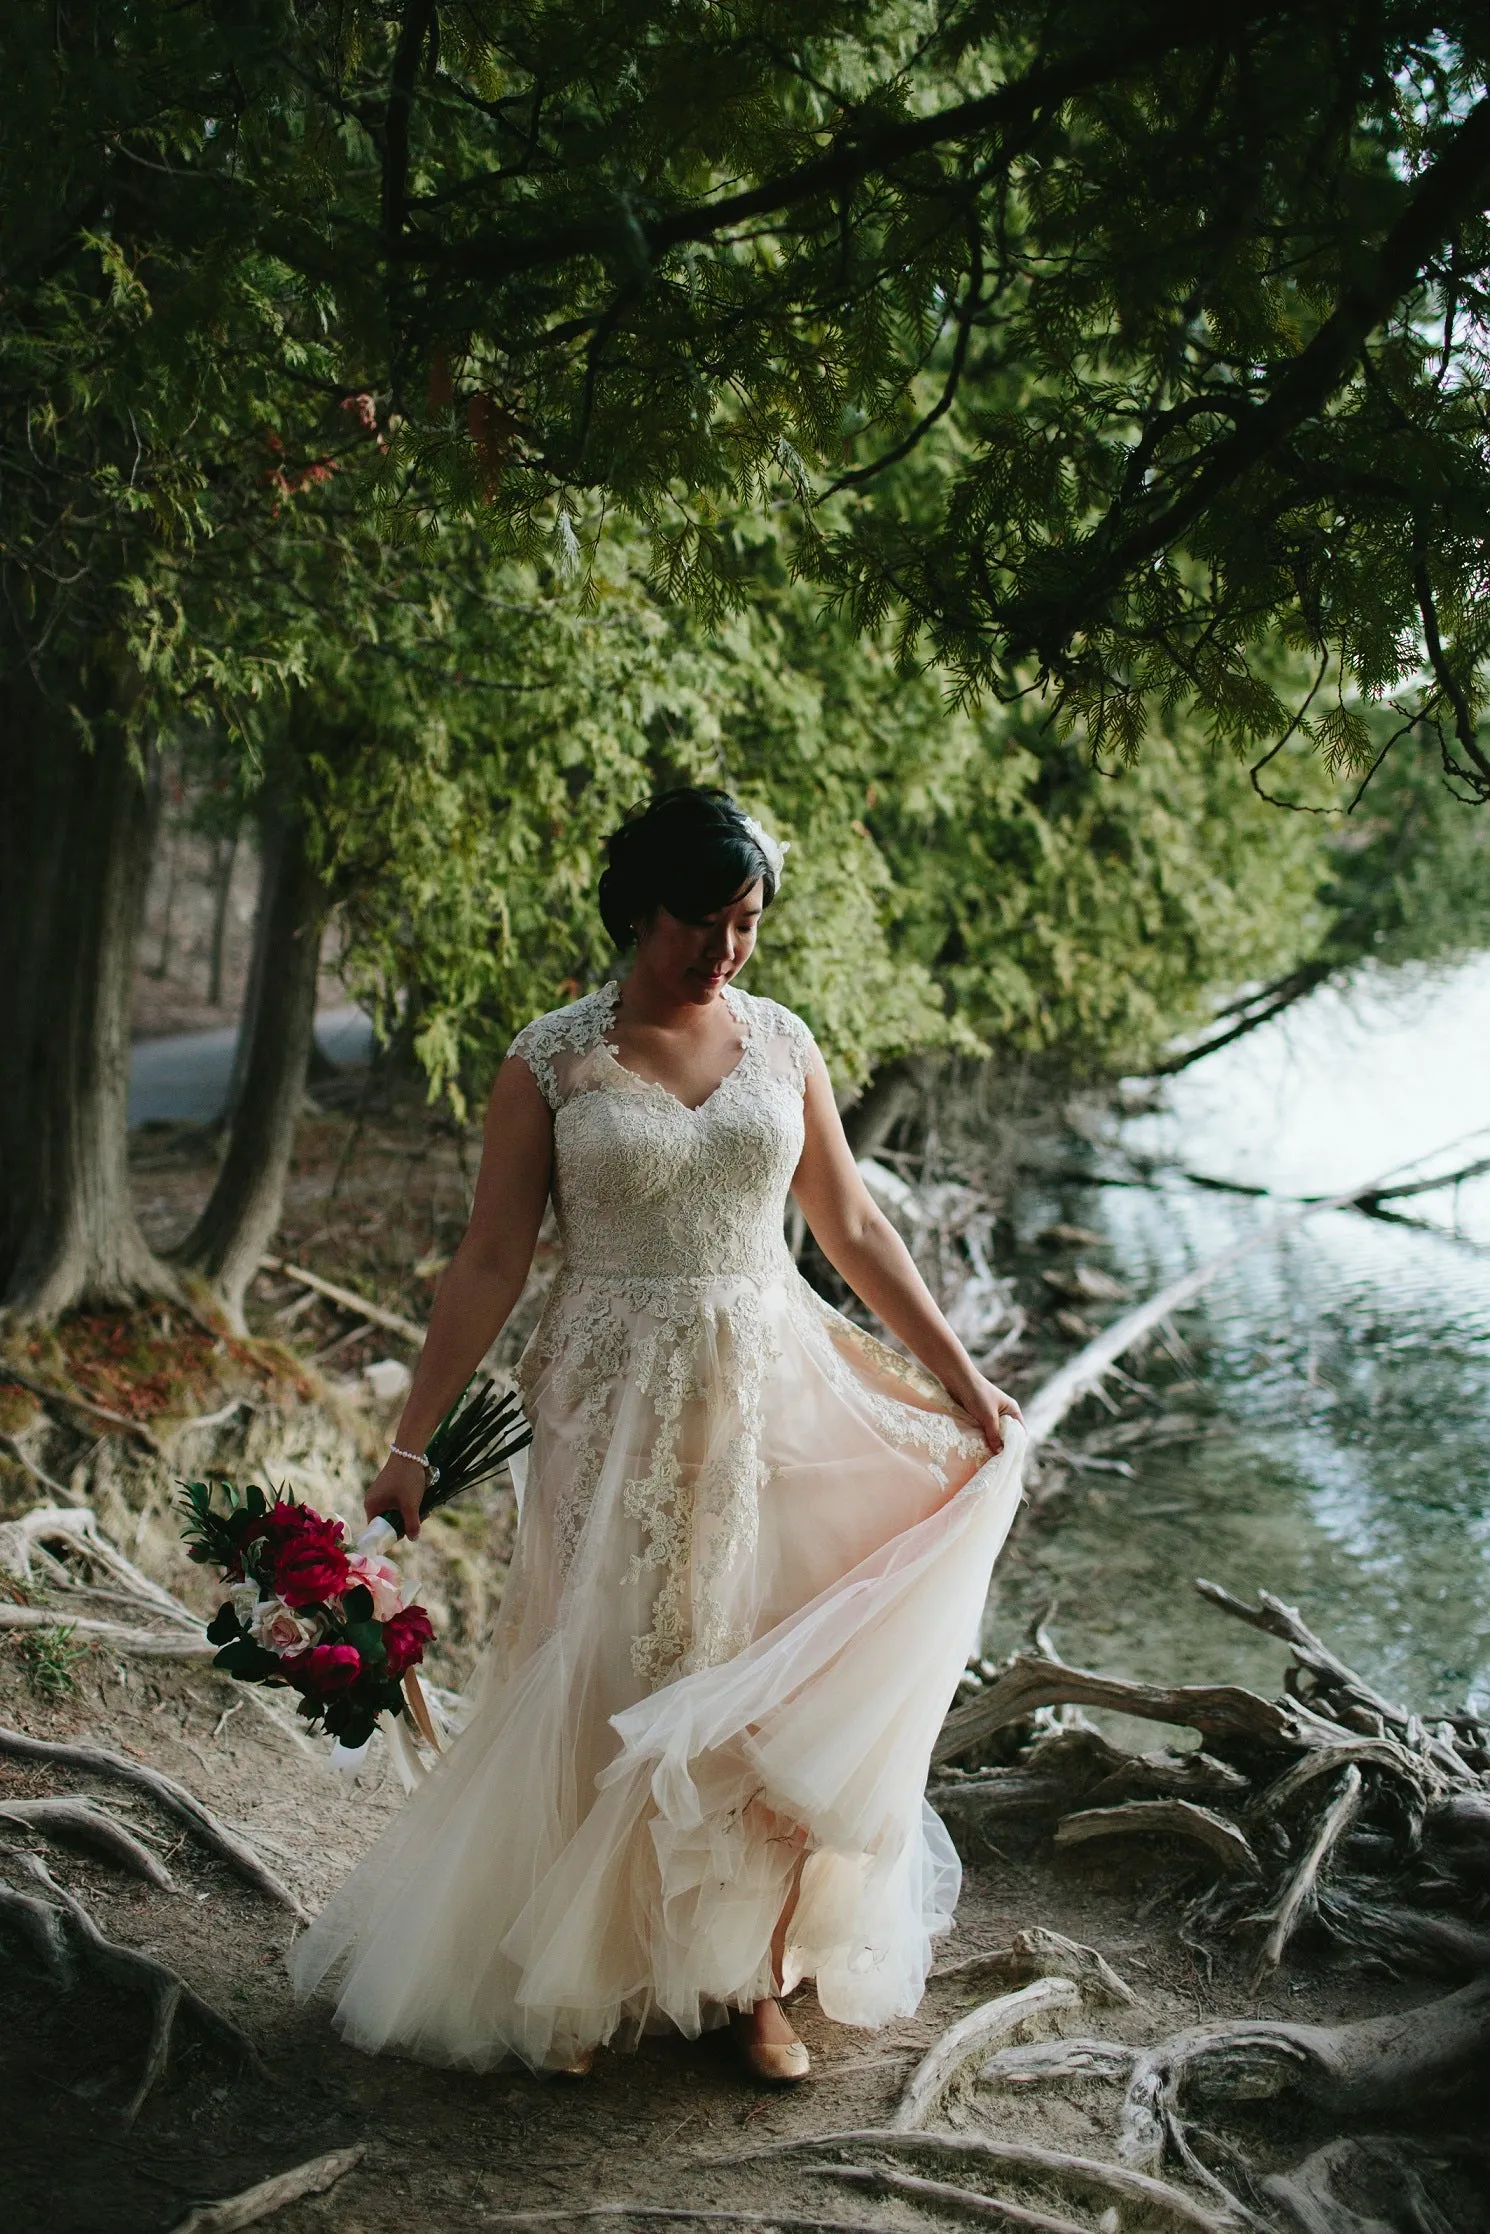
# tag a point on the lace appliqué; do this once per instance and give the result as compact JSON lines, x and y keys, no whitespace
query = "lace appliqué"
{"x":671,"y":1222}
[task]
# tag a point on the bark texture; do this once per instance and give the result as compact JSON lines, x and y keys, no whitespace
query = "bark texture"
{"x":75,"y":837}
{"x":275,"y":1043}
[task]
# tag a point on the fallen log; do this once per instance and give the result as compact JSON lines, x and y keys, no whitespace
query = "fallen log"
{"x":1082,"y":1374}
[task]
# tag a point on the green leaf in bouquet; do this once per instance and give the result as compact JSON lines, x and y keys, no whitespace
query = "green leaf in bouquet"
{"x":358,"y":1604}
{"x":224,"y":1625}
{"x":352,"y":1725}
{"x":367,"y":1636}
{"x":246,"y":1661}
{"x":473,"y":1442}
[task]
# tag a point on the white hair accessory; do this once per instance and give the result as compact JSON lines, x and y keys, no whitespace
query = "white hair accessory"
{"x":773,"y":848}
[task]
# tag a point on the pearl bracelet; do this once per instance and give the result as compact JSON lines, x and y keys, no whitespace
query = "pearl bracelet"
{"x":419,"y":1459}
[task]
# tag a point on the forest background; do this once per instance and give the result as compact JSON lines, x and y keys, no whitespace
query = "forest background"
{"x":1041,"y":472}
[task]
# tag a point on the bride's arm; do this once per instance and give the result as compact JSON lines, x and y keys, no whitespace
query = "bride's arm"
{"x":860,"y":1243}
{"x":483,"y":1280}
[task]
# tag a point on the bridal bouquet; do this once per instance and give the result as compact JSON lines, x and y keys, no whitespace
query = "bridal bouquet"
{"x":307,"y":1609}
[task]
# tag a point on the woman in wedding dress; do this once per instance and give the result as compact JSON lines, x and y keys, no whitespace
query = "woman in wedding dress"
{"x":754,"y":1545}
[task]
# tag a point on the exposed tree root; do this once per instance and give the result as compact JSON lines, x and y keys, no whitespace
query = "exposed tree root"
{"x":1166,"y":1818}
{"x":976,"y":2036}
{"x":76,"y":1528}
{"x":1086,"y":2175}
{"x":1405,"y":1938}
{"x":91,"y":1825}
{"x":212,"y":1833}
{"x":1038,"y":1953}
{"x":169,"y":1994}
{"x":1300,"y":1893}
{"x":1217,"y":1710}
{"x":1380,"y":2063}
{"x":1377,"y":2162}
{"x":260,"y":2202}
{"x":966,"y":2202}
{"x":790,"y":2221}
{"x":147,"y":1644}
{"x":39,"y":1922}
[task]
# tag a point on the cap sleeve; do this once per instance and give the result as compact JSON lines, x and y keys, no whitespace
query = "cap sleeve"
{"x":534,"y":1046}
{"x":789,"y":1043}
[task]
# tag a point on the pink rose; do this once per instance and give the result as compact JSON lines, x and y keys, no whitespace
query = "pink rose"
{"x":324,"y":1670}
{"x":405,"y":1637}
{"x":277,"y":1629}
{"x":380,"y":1576}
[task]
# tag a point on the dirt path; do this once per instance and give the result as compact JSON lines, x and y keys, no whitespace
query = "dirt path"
{"x":449,"y":2150}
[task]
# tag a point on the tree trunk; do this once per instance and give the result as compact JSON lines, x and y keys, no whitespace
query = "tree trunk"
{"x":223,"y":861}
{"x":75,"y":840}
{"x":275,"y":1040}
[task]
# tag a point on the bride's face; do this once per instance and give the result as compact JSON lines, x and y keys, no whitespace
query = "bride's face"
{"x":695,"y":961}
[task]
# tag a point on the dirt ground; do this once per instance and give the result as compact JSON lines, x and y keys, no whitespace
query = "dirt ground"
{"x":378,"y":1198}
{"x":450,"y":2150}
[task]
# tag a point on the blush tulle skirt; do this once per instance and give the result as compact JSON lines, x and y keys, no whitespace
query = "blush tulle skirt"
{"x":753,"y":1556}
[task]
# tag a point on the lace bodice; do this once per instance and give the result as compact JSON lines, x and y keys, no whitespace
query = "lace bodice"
{"x":646,"y":1188}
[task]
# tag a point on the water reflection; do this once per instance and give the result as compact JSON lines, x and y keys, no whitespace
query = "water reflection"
{"x":1343,"y":1453}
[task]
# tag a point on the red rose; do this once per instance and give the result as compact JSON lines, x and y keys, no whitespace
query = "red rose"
{"x":307,"y":1554}
{"x":405,"y":1637}
{"x":323,"y":1669}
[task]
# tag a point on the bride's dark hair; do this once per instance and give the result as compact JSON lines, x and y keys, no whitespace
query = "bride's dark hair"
{"x":688,"y":851}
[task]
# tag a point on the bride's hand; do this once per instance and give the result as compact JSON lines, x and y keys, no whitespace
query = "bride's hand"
{"x":989,"y":1407}
{"x":398,"y":1488}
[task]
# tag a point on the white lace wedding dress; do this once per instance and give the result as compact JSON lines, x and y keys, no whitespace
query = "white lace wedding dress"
{"x":754,"y":1548}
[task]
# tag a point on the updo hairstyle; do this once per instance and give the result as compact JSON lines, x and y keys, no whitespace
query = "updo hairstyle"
{"x":687,"y":851}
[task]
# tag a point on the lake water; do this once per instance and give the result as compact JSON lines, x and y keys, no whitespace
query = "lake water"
{"x":1342,"y":1454}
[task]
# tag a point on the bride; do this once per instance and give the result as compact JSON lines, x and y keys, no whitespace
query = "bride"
{"x":754,"y":1547}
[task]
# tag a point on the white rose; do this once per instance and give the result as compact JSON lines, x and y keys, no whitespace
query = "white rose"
{"x":244,"y":1597}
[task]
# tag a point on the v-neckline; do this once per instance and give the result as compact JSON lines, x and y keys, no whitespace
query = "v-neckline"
{"x":689,"y":1108}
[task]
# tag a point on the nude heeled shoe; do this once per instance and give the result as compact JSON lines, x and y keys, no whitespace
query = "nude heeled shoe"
{"x":781,"y":2063}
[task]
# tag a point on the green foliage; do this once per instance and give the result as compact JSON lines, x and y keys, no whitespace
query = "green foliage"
{"x":50,"y":1657}
{"x":1173,"y":321}
{"x":956,"y":879}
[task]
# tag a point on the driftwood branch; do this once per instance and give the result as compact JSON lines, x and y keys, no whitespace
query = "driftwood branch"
{"x":228,"y":1845}
{"x":376,"y":1314}
{"x":260,"y":2202}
